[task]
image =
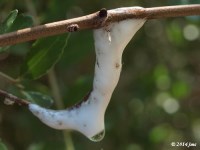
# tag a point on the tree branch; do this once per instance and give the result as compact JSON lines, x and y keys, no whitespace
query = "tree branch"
{"x":11,"y":99}
{"x":96,"y":20}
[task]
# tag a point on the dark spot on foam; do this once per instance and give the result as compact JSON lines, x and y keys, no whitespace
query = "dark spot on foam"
{"x":99,"y":52}
{"x":87,"y":96}
{"x":117,"y":65}
{"x":37,"y":112}
{"x":60,"y":123}
{"x":94,"y":100}
{"x":97,"y":62}
{"x":52,"y":115}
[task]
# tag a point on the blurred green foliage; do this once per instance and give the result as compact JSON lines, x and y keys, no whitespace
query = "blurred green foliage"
{"x":157,"y":99}
{"x":2,"y":146}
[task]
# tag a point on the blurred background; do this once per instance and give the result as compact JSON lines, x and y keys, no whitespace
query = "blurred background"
{"x":156,"y":102}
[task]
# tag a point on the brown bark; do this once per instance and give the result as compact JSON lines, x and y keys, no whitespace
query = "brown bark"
{"x":96,"y":20}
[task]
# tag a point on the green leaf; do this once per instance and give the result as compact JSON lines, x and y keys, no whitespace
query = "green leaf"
{"x":38,"y":98}
{"x":76,"y":52}
{"x":3,"y":146}
{"x":43,"y":55}
{"x":7,"y":23}
{"x":22,"y":21}
{"x":14,"y":23}
{"x":79,"y":89}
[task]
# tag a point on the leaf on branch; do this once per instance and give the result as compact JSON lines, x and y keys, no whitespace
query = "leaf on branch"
{"x":38,"y":98}
{"x":43,"y":55}
{"x":7,"y":23}
{"x":13,"y":23}
{"x":22,"y":21}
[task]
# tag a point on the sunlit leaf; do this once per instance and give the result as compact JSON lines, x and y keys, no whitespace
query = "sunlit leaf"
{"x":44,"y":54}
{"x":14,"y":23}
{"x":7,"y":23}
{"x":38,"y":98}
{"x":22,"y":21}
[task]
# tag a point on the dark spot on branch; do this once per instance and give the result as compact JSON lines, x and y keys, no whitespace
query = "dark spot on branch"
{"x":72,"y":28}
{"x":103,"y":13}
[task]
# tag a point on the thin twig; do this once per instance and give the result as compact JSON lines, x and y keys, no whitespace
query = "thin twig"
{"x":14,"y":99}
{"x":55,"y":89}
{"x":96,"y":20}
{"x":11,"y":80}
{"x":60,"y":105}
{"x":8,"y":78}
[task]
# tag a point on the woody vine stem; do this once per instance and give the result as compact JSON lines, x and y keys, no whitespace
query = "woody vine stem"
{"x":95,"y":20}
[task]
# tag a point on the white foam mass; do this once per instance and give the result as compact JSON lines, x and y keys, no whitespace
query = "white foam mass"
{"x":88,"y":116}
